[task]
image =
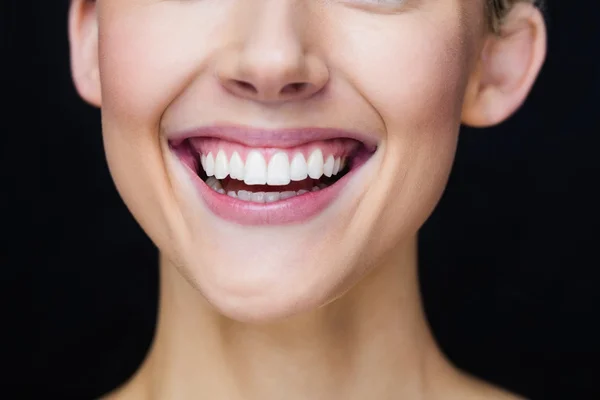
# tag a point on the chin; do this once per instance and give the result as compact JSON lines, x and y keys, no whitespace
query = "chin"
{"x":260,"y":284}
{"x":265,"y":292}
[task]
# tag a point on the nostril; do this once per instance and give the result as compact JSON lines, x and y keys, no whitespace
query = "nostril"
{"x":294,"y":88}
{"x":264,"y":92}
{"x":245,"y":86}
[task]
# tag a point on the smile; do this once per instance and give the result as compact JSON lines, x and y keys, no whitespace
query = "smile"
{"x":257,"y":177}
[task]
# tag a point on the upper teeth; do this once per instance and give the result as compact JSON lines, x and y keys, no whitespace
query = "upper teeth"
{"x":278,"y":171}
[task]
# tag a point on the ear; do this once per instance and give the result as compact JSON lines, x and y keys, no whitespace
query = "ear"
{"x":83,"y":39}
{"x":509,"y":64}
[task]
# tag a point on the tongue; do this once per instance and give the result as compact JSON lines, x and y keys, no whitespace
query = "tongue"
{"x":234,"y":185}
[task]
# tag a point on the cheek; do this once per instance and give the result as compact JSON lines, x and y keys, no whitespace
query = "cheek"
{"x":148,"y":54}
{"x":413,"y":71}
{"x":421,"y":103}
{"x":421,"y":106}
{"x":141,"y":72}
{"x":415,"y":80}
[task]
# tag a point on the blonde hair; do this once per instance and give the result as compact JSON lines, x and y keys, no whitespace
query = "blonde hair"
{"x":497,"y":10}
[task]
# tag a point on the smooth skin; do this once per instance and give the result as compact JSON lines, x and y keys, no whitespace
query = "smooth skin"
{"x":328,"y":308}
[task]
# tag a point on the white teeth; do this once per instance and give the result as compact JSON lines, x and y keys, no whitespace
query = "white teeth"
{"x":286,"y":195}
{"x":278,"y":172}
{"x":214,"y":183}
{"x":244,"y":195}
{"x":211,"y":181}
{"x":258,"y":197}
{"x":328,"y":167}
{"x":221,"y":165}
{"x":270,"y":197}
{"x":336,"y":166}
{"x":315,"y":164}
{"x":209,"y":165}
{"x":236,"y":167}
{"x":298,"y":168}
{"x":255,"y":171}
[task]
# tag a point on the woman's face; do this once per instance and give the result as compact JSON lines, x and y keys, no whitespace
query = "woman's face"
{"x":190,"y":85}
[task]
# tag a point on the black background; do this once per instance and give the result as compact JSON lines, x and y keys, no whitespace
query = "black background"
{"x":509,"y":258}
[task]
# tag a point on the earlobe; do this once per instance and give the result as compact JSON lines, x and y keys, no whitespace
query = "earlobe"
{"x":509,"y":64}
{"x":83,"y":39}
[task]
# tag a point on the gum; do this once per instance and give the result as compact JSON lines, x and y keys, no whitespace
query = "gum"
{"x":336,"y":147}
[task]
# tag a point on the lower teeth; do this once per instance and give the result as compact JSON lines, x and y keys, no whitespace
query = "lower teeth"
{"x":259,"y":197}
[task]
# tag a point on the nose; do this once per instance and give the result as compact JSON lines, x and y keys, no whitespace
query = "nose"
{"x":268,"y":61}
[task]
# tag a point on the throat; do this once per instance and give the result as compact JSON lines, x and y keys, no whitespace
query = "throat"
{"x":358,"y":352}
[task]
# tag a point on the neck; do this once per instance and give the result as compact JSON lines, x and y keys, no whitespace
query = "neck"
{"x":373,"y":342}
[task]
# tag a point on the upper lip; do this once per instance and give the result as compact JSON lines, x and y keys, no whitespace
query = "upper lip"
{"x":274,"y":138}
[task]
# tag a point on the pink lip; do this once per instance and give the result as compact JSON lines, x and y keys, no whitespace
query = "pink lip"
{"x":292,"y":210}
{"x":281,"y":138}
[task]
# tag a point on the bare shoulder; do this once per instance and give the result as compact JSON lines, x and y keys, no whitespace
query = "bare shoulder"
{"x":124,"y":393}
{"x":131,"y":390}
{"x":476,"y":389}
{"x":117,"y":394}
{"x":493,"y":393}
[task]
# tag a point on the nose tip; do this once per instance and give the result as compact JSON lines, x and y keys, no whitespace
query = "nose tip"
{"x":268,"y":59}
{"x":271,"y":70}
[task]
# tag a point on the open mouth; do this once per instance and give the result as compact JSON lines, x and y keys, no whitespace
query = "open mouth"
{"x":258,"y":184}
{"x":269,"y":175}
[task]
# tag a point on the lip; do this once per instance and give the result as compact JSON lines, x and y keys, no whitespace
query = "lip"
{"x":293,"y":210}
{"x":296,"y":209}
{"x":279,"y":138}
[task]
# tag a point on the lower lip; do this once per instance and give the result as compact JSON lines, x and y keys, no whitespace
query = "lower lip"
{"x":296,"y":209}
